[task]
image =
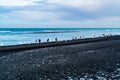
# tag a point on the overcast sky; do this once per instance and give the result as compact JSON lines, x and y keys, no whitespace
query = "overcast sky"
{"x":60,"y":13}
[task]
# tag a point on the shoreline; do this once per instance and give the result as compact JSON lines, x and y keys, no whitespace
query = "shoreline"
{"x":23,"y":47}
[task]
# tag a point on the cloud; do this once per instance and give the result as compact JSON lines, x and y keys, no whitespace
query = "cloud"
{"x":29,"y":15}
{"x":60,"y":12}
{"x":14,"y":3}
{"x":87,"y":5}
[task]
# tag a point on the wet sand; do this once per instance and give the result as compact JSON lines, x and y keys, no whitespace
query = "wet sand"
{"x":88,"y":61}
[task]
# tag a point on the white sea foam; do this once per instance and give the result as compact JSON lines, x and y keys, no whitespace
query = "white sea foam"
{"x":1,"y":44}
{"x":5,"y":31}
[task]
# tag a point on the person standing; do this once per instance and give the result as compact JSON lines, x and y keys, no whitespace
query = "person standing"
{"x":39,"y":40}
{"x":48,"y":40}
{"x":56,"y":39}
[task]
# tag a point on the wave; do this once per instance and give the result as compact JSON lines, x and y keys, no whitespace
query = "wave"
{"x":52,"y":31}
{"x":40,"y":32}
{"x":5,"y":31}
{"x":55,"y":31}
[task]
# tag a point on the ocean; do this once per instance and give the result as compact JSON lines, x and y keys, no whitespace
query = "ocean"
{"x":14,"y":36}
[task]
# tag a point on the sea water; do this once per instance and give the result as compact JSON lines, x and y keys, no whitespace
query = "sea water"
{"x":14,"y":36}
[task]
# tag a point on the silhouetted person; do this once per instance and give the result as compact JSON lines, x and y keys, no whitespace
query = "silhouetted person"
{"x":39,"y":40}
{"x":36,"y":41}
{"x":47,"y":40}
{"x":75,"y":38}
{"x":56,"y":39}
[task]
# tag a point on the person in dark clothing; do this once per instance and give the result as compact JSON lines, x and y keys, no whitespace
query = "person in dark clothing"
{"x":75,"y":38}
{"x":39,"y":40}
{"x":47,"y":40}
{"x":36,"y":41}
{"x":56,"y":39}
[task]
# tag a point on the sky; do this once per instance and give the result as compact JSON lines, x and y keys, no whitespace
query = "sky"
{"x":60,"y":13}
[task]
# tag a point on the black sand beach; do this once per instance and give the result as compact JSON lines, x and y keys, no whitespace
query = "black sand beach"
{"x":91,"y":59}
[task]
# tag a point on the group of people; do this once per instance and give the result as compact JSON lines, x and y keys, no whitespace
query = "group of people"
{"x":75,"y":38}
{"x":39,"y":40}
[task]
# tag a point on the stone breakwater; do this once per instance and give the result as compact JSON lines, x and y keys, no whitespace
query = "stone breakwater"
{"x":88,"y":61}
